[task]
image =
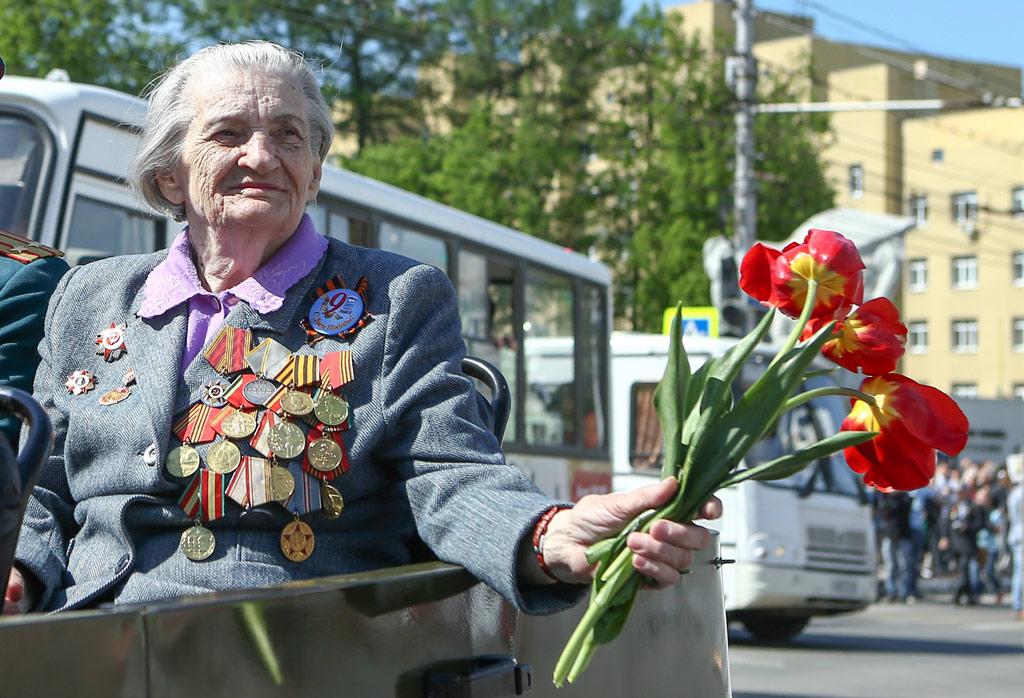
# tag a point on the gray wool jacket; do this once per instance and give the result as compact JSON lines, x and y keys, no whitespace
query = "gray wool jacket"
{"x":103,"y":523}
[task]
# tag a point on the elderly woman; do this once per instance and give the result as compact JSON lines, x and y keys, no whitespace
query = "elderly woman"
{"x":259,"y":404}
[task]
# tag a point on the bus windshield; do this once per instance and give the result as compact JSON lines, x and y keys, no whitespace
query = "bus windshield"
{"x":22,"y":152}
{"x":801,"y":427}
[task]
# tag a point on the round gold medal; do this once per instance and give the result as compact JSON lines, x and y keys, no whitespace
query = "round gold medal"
{"x":296,"y":402}
{"x":223,"y":457}
{"x":297,"y":541}
{"x":282,"y":484}
{"x":330,"y":410}
{"x":239,"y":425}
{"x":182,"y":461}
{"x":198,"y":543}
{"x":115,"y":396}
{"x":324,"y":454}
{"x":286,"y":440}
{"x":330,"y":500}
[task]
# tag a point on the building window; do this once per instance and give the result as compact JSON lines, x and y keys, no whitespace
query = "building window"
{"x":969,"y":390}
{"x":1018,"y":268}
{"x":917,"y":275}
{"x":964,"y":206}
{"x":917,"y":207}
{"x":965,"y":336}
{"x":917,"y":336}
{"x":965,"y":272}
{"x":1018,"y":391}
{"x":938,"y":155}
{"x":856,"y":181}
{"x":1018,"y":334}
{"x":1017,"y":201}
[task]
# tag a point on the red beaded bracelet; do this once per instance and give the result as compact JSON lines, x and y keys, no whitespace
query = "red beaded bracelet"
{"x":539,"y":531}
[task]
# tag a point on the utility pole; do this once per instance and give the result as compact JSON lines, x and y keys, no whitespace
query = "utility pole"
{"x":743,"y":72}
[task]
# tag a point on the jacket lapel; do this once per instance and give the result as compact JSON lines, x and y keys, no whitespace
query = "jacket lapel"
{"x":286,"y":318}
{"x":155,"y":346}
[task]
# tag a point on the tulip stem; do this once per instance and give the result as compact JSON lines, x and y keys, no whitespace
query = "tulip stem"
{"x":802,"y":398}
{"x":805,"y":315}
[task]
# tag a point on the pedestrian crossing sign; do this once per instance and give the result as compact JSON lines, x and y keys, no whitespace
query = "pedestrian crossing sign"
{"x":698,"y":321}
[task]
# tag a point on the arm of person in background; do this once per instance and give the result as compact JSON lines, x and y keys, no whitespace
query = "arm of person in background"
{"x":41,"y":559}
{"x":26,"y":283}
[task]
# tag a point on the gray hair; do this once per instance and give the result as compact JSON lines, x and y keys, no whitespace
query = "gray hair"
{"x":170,"y":112}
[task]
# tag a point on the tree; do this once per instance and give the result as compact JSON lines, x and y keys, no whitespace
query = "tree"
{"x":676,"y":176}
{"x":122,"y":45}
{"x":369,"y":52}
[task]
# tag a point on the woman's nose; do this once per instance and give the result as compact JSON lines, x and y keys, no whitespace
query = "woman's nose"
{"x":258,"y":153}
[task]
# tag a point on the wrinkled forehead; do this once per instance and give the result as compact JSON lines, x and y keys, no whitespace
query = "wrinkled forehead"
{"x":260,"y":96}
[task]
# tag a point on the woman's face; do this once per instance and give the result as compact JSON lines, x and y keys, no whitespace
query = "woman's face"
{"x":246,"y":158}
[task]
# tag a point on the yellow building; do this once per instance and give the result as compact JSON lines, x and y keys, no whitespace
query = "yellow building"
{"x":959,"y":172}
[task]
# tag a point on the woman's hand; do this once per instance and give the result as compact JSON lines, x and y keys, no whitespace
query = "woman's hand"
{"x":16,"y":600}
{"x":662,"y":555}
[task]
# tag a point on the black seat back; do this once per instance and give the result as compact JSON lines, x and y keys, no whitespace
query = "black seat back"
{"x":501,"y":398}
{"x":19,"y":476}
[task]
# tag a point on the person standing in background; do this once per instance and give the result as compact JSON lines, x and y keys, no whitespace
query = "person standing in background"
{"x":1015,"y":532}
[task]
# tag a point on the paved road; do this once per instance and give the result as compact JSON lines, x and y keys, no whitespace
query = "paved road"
{"x":930,"y":649}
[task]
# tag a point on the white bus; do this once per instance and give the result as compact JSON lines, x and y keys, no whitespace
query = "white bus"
{"x":803,"y":546}
{"x":64,"y":153}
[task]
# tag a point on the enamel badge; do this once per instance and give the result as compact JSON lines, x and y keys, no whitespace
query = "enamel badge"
{"x":80,"y":382}
{"x":111,"y":342}
{"x":337,"y":311}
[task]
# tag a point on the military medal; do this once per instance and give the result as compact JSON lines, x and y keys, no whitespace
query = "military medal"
{"x":112,"y":397}
{"x":297,"y":403}
{"x":324,"y":454}
{"x":268,"y":358}
{"x":297,"y":541}
{"x":258,"y":391}
{"x":227,"y":351}
{"x":182,"y":461}
{"x":195,"y":426}
{"x":198,"y":543}
{"x":80,"y":382}
{"x":330,"y":409}
{"x":111,"y":342}
{"x":238,"y":424}
{"x":215,"y":394}
{"x":336,"y":369}
{"x":282,"y":484}
{"x":331,"y":500}
{"x":286,"y":440}
{"x":223,"y":457}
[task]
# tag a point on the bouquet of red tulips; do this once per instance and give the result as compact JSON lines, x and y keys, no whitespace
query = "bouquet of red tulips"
{"x":890,"y":436}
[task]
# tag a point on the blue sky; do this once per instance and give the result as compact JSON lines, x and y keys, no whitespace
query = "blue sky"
{"x":979,"y":30}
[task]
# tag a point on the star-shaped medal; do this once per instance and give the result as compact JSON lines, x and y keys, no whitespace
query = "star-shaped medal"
{"x":111,"y":342}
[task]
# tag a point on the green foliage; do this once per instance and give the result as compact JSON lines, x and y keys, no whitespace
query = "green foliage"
{"x":122,"y":45}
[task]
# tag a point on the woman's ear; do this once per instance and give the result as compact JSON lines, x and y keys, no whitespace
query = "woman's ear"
{"x":172,"y":187}
{"x":314,"y":183}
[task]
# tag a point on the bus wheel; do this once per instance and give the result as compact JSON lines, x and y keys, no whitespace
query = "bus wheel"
{"x":776,"y":628}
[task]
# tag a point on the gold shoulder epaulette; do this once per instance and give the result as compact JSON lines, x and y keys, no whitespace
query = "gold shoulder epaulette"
{"x":24,"y":250}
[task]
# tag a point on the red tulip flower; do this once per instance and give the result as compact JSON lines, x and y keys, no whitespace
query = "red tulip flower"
{"x":871,"y":339}
{"x":780,"y":279}
{"x":912,"y":421}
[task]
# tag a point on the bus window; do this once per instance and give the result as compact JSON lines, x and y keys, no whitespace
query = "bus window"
{"x":486,"y":309}
{"x":425,"y":248}
{"x":21,"y":162}
{"x":99,"y":230}
{"x":593,"y":338}
{"x":335,"y":224}
{"x":645,"y":441}
{"x":550,"y":360}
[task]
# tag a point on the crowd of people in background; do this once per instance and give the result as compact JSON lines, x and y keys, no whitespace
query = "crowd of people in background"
{"x":965,"y":526}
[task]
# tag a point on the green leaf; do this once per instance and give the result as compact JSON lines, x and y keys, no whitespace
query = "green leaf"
{"x":791,"y":463}
{"x":612,"y":621}
{"x":670,"y":397}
